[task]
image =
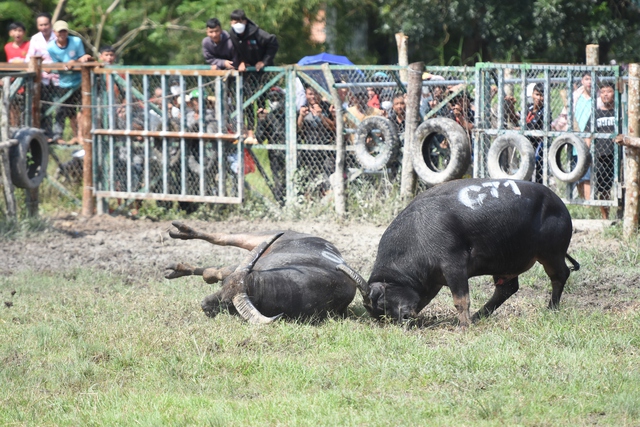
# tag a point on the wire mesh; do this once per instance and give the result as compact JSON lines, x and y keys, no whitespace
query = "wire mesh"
{"x":544,"y":103}
{"x":167,"y":137}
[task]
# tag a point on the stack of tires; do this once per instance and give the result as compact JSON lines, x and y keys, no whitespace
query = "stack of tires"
{"x":569,"y":157}
{"x":442,"y":152}
{"x":441,"y":148}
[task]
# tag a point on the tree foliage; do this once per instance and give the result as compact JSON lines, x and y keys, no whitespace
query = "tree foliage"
{"x":464,"y":31}
{"x":443,"y":32}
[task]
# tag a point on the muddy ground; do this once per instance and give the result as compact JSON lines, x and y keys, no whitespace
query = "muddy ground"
{"x":140,"y":249}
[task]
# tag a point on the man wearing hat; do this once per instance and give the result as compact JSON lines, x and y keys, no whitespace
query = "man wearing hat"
{"x":67,"y":49}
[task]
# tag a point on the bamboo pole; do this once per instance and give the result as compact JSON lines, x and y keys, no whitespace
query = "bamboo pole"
{"x":337,"y":178}
{"x":414,"y":93}
{"x":85,"y":132}
{"x":5,"y":167}
{"x":35,"y":66}
{"x":632,"y":155}
{"x":403,"y":54}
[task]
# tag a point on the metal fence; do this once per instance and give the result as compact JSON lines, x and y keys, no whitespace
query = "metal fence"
{"x":169,"y":137}
{"x":571,"y":104}
{"x":190,"y":134}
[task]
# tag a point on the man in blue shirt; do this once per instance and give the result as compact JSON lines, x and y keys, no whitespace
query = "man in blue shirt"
{"x":67,"y":49}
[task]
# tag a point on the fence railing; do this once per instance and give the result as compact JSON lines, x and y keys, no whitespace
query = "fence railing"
{"x":190,"y":134}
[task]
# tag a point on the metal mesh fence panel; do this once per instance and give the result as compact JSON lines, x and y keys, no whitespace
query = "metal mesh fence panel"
{"x":447,"y":92}
{"x":167,"y":137}
{"x":20,"y":90}
{"x":544,"y":103}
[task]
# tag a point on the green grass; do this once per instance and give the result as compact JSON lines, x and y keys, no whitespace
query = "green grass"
{"x":86,"y":347}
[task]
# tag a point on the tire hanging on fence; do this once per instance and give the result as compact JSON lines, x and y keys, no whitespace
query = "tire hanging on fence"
{"x":497,"y":157}
{"x":29,"y":158}
{"x":384,"y":149}
{"x":583,"y":158}
{"x":456,"y":141}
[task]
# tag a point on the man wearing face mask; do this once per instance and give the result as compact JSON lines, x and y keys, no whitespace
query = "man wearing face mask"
{"x":253,"y":47}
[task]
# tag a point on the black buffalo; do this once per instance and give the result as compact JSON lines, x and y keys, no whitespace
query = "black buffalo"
{"x":463,"y":229}
{"x":286,"y":273}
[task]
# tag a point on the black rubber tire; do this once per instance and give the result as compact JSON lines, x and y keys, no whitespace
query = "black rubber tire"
{"x":522,"y":145}
{"x":380,"y":160}
{"x":29,"y":158}
{"x":583,"y":158}
{"x":459,"y":146}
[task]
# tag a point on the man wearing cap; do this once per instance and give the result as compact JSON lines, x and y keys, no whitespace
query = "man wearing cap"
{"x":70,"y":50}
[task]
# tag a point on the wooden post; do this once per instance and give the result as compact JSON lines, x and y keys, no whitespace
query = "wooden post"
{"x":414,"y":93}
{"x":632,"y":155}
{"x":337,"y":178}
{"x":593,"y":54}
{"x":35,"y":66}
{"x":85,"y":134}
{"x":5,"y":167}
{"x":403,"y":54}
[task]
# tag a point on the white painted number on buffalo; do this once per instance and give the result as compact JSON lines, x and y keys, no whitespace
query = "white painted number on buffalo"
{"x":474,"y":196}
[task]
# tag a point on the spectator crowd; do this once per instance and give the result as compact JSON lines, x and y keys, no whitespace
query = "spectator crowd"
{"x":247,"y":47}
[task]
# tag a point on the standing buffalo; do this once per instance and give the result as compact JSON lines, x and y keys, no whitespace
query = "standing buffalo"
{"x":466,"y":228}
{"x":286,"y":273}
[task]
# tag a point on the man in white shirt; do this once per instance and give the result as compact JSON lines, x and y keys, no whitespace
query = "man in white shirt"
{"x":38,"y":47}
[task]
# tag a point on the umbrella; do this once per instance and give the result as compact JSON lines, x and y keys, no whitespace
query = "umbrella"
{"x":329,"y":58}
{"x":324,"y":57}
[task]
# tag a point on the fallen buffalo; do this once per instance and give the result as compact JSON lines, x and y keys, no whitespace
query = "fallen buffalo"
{"x":466,"y":228}
{"x":286,"y":273}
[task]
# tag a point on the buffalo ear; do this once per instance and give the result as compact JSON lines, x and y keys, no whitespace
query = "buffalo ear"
{"x":377,"y":290}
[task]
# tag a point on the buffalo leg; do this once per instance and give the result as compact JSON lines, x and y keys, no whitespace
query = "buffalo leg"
{"x":459,"y":286}
{"x":210,"y":274}
{"x":558,"y":272}
{"x":244,"y":241}
{"x":501,"y":293}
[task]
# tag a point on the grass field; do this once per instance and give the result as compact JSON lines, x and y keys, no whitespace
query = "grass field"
{"x":86,"y":347}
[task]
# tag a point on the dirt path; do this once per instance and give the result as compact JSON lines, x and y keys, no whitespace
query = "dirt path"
{"x":140,"y":249}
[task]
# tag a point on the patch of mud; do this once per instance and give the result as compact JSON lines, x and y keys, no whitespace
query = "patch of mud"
{"x":143,"y":248}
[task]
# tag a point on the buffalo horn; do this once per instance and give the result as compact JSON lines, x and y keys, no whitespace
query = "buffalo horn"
{"x":249,"y":312}
{"x":250,"y":260}
{"x":362,"y":284}
{"x":241,"y":300}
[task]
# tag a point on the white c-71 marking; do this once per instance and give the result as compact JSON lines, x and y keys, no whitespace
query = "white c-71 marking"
{"x":473,"y":196}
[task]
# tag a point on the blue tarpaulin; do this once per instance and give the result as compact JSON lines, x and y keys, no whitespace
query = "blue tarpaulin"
{"x":323,"y":58}
{"x":329,"y":58}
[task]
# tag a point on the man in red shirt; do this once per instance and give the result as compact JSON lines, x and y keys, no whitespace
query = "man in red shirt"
{"x":17,"y":49}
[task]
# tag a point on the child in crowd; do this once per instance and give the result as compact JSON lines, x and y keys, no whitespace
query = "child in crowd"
{"x":16,"y":50}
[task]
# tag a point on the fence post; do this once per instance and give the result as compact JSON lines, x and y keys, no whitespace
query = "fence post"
{"x":290,"y":126}
{"x":35,"y":66}
{"x":414,"y":93}
{"x":593,"y":54}
{"x":5,"y":167}
{"x":85,"y":132}
{"x":403,"y":56}
{"x":632,"y":155}
{"x":337,"y":178}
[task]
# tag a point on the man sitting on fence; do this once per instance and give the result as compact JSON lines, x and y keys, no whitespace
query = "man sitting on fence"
{"x":67,"y":49}
{"x":253,"y":47}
